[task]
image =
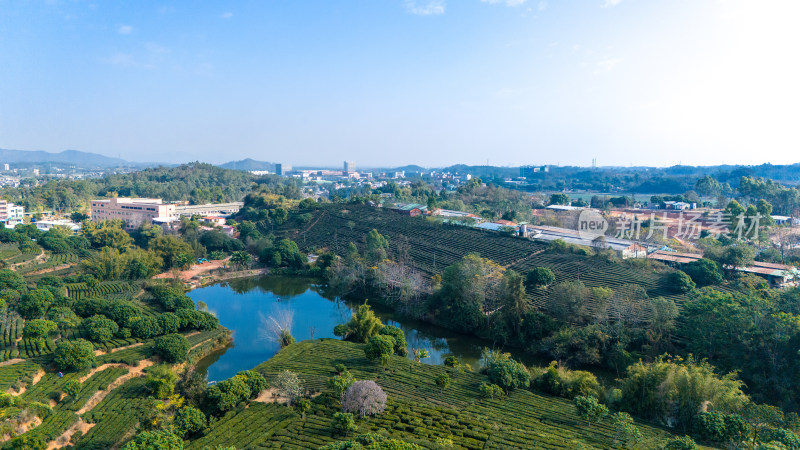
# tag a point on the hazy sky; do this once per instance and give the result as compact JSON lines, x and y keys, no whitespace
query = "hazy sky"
{"x":391,"y":82}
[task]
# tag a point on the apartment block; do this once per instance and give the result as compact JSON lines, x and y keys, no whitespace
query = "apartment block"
{"x":133,"y":211}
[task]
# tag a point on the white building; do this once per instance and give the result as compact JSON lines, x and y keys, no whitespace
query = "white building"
{"x":133,"y":211}
{"x":11,"y":214}
{"x":47,"y":225}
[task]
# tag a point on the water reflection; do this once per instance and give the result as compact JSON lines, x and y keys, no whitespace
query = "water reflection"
{"x":241,"y":304}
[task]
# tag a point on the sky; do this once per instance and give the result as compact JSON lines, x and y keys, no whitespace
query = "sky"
{"x":394,"y":82}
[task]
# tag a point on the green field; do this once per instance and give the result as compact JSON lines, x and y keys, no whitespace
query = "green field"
{"x":417,"y":410}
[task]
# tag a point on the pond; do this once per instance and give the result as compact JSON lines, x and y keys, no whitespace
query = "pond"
{"x":246,"y":307}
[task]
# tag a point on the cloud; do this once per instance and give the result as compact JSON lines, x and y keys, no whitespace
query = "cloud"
{"x":427,"y":8}
{"x":126,"y":60}
{"x":125,"y":29}
{"x":542,"y":5}
{"x":513,"y":2}
{"x":606,"y":65}
{"x":611,"y":3}
{"x":227,"y":15}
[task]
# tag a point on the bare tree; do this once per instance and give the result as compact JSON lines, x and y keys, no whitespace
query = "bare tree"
{"x":364,"y":397}
{"x":277,"y":327}
{"x":290,"y":386}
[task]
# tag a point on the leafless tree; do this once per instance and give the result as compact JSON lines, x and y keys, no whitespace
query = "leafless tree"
{"x":364,"y":397}
{"x":277,"y":327}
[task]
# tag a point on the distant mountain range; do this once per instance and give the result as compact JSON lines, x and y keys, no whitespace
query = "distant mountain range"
{"x":68,"y":157}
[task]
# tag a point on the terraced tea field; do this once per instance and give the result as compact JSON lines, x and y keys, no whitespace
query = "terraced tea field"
{"x":431,"y":247}
{"x":417,"y":410}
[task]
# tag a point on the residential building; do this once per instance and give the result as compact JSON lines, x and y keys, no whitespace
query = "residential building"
{"x":349,"y":168}
{"x":133,"y":211}
{"x":11,"y":214}
{"x":282,"y":169}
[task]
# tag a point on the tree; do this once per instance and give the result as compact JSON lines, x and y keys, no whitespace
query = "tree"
{"x":364,"y":397}
{"x":362,"y":325}
{"x":504,"y":371}
{"x":470,"y":288}
{"x":443,"y":380}
{"x":161,"y":381}
{"x":172,"y":348}
{"x":290,"y":386}
{"x":155,"y":440}
{"x":226,"y":394}
{"x":379,"y":346}
{"x":673,"y":390}
{"x":189,"y":421}
{"x":590,"y":410}
{"x":10,"y":279}
{"x":559,"y":199}
{"x":681,"y":282}
{"x":540,"y":276}
{"x":99,"y":328}
{"x":343,"y":423}
{"x":26,"y":442}
{"x":761,"y":417}
{"x":34,"y":303}
{"x":420,"y":354}
{"x":399,"y":337}
{"x":339,"y":383}
{"x":241,"y":259}
{"x":704,"y":272}
{"x":169,"y":249}
{"x":625,"y":430}
{"x":376,"y":246}
{"x":74,"y":355}
{"x":38,"y":330}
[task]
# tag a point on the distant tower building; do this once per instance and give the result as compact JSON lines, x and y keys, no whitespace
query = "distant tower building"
{"x":282,"y":169}
{"x":6,"y":167}
{"x":349,"y":167}
{"x":36,"y":172}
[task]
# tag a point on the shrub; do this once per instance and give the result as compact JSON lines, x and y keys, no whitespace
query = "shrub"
{"x":159,"y":439}
{"x":540,"y":276}
{"x":172,"y":348}
{"x":343,"y":423}
{"x":491,"y":390}
{"x":364,"y":397}
{"x":340,"y":383}
{"x":681,"y":443}
{"x":443,"y":380}
{"x":566,"y":383}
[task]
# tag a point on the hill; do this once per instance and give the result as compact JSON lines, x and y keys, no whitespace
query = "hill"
{"x":430,"y":247}
{"x":248,"y":165}
{"x":417,"y":410}
{"x":70,"y":157}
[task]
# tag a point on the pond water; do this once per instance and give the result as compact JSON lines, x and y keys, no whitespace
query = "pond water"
{"x":245,"y":306}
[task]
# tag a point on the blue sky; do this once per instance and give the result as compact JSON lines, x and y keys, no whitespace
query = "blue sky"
{"x":392,"y":82}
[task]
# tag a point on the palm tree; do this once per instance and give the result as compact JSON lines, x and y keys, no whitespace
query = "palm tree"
{"x":420,"y":353}
{"x":241,"y":258}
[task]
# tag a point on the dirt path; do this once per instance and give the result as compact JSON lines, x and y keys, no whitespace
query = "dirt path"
{"x":524,"y":258}
{"x":11,"y":361}
{"x":269,"y":396}
{"x":36,"y":378}
{"x":63,"y":440}
{"x":196,"y":269}
{"x":114,"y":350}
{"x":51,"y":269}
{"x":98,"y":396}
